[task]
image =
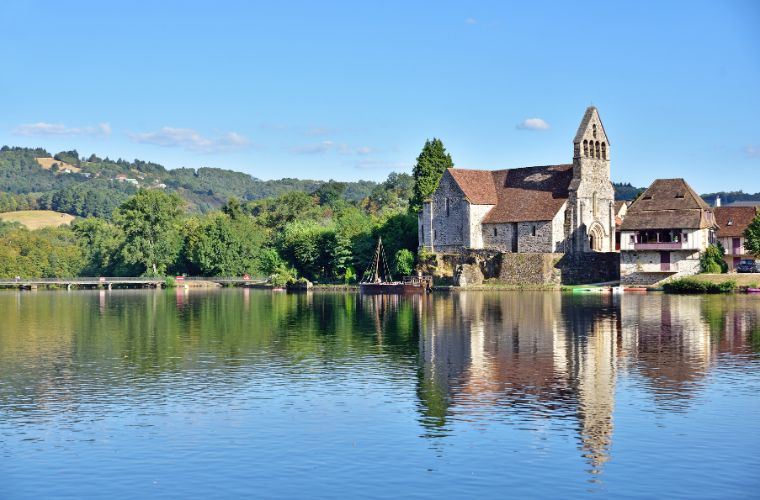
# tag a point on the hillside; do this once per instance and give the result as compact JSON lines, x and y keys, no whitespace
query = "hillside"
{"x":37,"y":219}
{"x":95,"y":185}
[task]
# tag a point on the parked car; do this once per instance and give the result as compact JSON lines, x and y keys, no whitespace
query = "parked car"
{"x":746,"y":266}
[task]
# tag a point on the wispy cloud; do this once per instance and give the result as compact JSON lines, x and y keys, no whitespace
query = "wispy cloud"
{"x":470,"y":21}
{"x":329,"y":147}
{"x":58,"y":129}
{"x":752,"y":151}
{"x":319,"y":131}
{"x":313,"y":149}
{"x":382,"y":165}
{"x":192,"y":140}
{"x":533,"y":124}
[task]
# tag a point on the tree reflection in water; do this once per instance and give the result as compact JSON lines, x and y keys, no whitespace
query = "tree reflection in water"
{"x":526,"y":359}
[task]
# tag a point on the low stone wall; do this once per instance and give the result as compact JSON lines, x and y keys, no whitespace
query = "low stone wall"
{"x":529,"y":269}
{"x":472,"y":267}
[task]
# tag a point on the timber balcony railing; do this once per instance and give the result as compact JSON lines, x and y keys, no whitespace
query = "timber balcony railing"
{"x":659,"y":246}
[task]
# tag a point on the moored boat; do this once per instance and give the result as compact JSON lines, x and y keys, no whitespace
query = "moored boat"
{"x":378,"y":279}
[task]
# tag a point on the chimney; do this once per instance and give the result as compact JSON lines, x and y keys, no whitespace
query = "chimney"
{"x":717,"y":201}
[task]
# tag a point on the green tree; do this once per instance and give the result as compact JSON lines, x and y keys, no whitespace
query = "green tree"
{"x":150,"y":222}
{"x":218,"y":245}
{"x":305,"y":244}
{"x":101,"y":243}
{"x":404,"y":262}
{"x":712,"y":260}
{"x":431,"y":164}
{"x":752,"y":237}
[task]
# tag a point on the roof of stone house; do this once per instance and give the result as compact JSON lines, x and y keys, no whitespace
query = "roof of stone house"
{"x":477,"y":185}
{"x":518,"y":194}
{"x":618,"y":205}
{"x":732,"y":221}
{"x":668,"y":204}
{"x":584,"y":125}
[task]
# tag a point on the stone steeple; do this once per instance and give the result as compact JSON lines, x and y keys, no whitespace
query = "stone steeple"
{"x":591,"y":193}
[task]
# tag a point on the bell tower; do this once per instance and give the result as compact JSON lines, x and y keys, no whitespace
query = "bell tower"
{"x":591,"y":196}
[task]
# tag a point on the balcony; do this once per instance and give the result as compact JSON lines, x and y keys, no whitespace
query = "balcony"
{"x":658,"y":246}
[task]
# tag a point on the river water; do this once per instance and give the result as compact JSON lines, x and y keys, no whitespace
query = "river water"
{"x":245,"y":393}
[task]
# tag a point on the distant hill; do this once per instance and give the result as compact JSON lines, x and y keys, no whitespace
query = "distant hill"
{"x":66,"y":182}
{"x":36,"y":219}
{"x":69,"y":183}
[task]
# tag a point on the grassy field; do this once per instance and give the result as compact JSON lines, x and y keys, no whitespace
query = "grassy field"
{"x":47,"y":164}
{"x":36,"y":219}
{"x":744,"y":279}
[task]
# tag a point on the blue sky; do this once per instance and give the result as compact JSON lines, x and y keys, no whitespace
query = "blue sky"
{"x":351,"y":90}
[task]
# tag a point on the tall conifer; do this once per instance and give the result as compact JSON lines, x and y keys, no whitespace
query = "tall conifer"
{"x":431,"y":163}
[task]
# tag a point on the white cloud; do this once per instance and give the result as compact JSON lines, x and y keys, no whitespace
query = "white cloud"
{"x":382,"y":165}
{"x":533,"y":124}
{"x":314,"y":149}
{"x":752,"y":151}
{"x":192,"y":140}
{"x":318,"y":131}
{"x":470,"y":21}
{"x":328,"y":147}
{"x":48,"y":129}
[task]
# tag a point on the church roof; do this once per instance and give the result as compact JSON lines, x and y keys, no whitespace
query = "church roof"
{"x":668,"y":204}
{"x":477,"y":185}
{"x":732,"y":221}
{"x":518,"y":194}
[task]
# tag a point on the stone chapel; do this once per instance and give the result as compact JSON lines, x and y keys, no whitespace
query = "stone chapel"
{"x":566,"y":208}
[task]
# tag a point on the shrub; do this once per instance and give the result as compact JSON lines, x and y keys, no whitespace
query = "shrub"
{"x":692,"y":286}
{"x":712,"y":260}
{"x":170,"y":282}
{"x":404,"y":262}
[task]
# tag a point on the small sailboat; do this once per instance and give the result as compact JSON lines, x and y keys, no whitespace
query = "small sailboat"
{"x":378,"y":279}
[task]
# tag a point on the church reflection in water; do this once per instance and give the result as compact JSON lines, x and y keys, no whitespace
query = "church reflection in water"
{"x":532,"y":356}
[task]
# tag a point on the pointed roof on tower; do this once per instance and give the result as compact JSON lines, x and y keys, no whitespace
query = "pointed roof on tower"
{"x":590,"y":116}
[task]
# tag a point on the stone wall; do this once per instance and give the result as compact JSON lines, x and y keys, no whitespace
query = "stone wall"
{"x":644,"y":267}
{"x":449,"y":209}
{"x":534,"y":237}
{"x":498,"y":236}
{"x":472,"y":267}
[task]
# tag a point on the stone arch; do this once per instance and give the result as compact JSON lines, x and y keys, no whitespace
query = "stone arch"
{"x":596,"y":237}
{"x":604,"y":150}
{"x":598,"y":150}
{"x":585,"y":147}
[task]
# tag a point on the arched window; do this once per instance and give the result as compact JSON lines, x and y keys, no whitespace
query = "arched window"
{"x":533,"y":230}
{"x":447,"y":207}
{"x":598,"y":150}
{"x":494,"y":231}
{"x":593,"y":127}
{"x":585,"y":147}
{"x":604,"y":150}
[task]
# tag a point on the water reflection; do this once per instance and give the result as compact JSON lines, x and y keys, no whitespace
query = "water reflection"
{"x":529,"y":357}
{"x":540,"y":363}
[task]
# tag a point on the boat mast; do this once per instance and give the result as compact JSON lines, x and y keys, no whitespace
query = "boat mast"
{"x":377,"y":260}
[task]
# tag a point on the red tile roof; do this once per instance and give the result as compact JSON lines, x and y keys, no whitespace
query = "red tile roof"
{"x":732,"y":221}
{"x":519,"y":194}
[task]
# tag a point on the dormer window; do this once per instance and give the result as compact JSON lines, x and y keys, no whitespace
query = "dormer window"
{"x":648,"y":197}
{"x":679,"y":195}
{"x":730,"y":222}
